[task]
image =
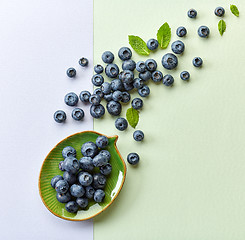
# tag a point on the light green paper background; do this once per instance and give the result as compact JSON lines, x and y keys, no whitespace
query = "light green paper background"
{"x":190,"y":183}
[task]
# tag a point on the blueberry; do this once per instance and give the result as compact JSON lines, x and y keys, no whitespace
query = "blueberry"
{"x":152,"y":44}
{"x":197,"y":62}
{"x":99,"y":181}
{"x":98,"y":69}
{"x":106,"y":88}
{"x":71,"y":99}
{"x":219,"y":11}
{"x":125,"y":97}
{"x":128,"y":86}
{"x":151,"y":65}
{"x":83,"y":62}
{"x":144,"y":91}
{"x":100,"y":160}
{"x":114,"y":108}
{"x":89,"y":192}
{"x":82,"y":202}
{"x":133,"y":158}
{"x":111,"y":70}
{"x":68,"y":152}
{"x":95,"y":99}
{"x":71,"y":207}
{"x":99,"y":196}
{"x":63,"y":197}
{"x":97,"y":111}
{"x":157,"y":76}
{"x":140,"y":66}
{"x":116,"y":84}
{"x":61,"y":167}
{"x":97,"y":80}
{"x":108,"y":97}
{"x":77,"y":190}
{"x":137,"y":103}
{"x":117,"y":96}
{"x":71,"y":72}
{"x":86,"y":164}
{"x":129,"y":65}
{"x":185,"y":75}
{"x":85,"y":179}
{"x":106,"y":154}
{"x":181,"y":31}
{"x":178,"y":47}
{"x":169,"y":61}
{"x":107,"y":57}
{"x":84,"y":96}
{"x":203,"y":31}
{"x":61,"y":186}
{"x":77,"y":114}
{"x":55,"y":179}
{"x":138,"y":135}
{"x":106,"y":169}
{"x":89,"y":149}
{"x":102,"y":141}
{"x":127,"y":76}
{"x":138,"y":83}
{"x":71,"y":165}
{"x":192,"y":13}
{"x":124,"y":53}
{"x":69,"y":177}
{"x":98,"y":91}
{"x":168,"y":80}
{"x":121,"y":124}
{"x":59,"y":116}
{"x":145,"y":76}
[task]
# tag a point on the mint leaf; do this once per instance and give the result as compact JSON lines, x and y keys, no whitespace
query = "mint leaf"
{"x":221,"y":27}
{"x":234,"y":10}
{"x":164,"y":35}
{"x":138,"y":45}
{"x":132,"y":116}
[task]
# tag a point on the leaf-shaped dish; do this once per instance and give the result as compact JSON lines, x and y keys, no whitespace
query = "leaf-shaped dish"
{"x":50,"y":168}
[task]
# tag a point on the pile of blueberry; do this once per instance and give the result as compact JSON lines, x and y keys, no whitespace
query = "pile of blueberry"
{"x":81,"y":179}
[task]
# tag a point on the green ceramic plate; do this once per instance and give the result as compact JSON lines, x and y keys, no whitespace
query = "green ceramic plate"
{"x":50,"y":168}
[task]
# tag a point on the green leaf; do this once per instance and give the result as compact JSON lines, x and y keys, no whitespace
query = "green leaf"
{"x":221,"y":27}
{"x":138,"y":45}
{"x":164,"y":35}
{"x":132,"y":116}
{"x":234,"y":10}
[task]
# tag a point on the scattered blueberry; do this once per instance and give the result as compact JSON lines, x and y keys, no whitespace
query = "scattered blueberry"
{"x":192,"y":13}
{"x":145,"y":76}
{"x":169,"y":61}
{"x":128,"y":86}
{"x":138,"y":135}
{"x":97,"y":80}
{"x":82,"y":202}
{"x":100,"y":160}
{"x":55,"y":179}
{"x":114,"y":108}
{"x":117,"y":96}
{"x":98,"y":69}
{"x":152,"y":44}
{"x":219,"y":11}
{"x":116,"y":84}
{"x":181,"y":31}
{"x":168,"y":80}
{"x":63,"y":197}
{"x":99,"y":181}
{"x":203,"y":31}
{"x":140,"y":66}
{"x":71,"y":72}
{"x":85,"y":179}
{"x":59,"y":116}
{"x":157,"y":76}
{"x":106,"y":88}
{"x":106,"y":169}
{"x":112,"y":70}
{"x":83,"y":62}
{"x":89,"y":192}
{"x":102,"y":141}
{"x":68,"y":152}
{"x":97,"y":111}
{"x":108,"y":97}
{"x":129,"y":65}
{"x":77,"y":190}
{"x":127,"y":76}
{"x":95,"y":99}
{"x":185,"y":75}
{"x":137,"y":103}
{"x":178,"y":47}
{"x":151,"y":65}
{"x":71,"y":99}
{"x":71,"y":165}
{"x":71,"y":207}
{"x":61,"y":186}
{"x":124,"y":53}
{"x":144,"y":91}
{"x":121,"y":124}
{"x":107,"y":57}
{"x":86,"y":164}
{"x":138,"y":83}
{"x":84,"y":96}
{"x":106,"y":154}
{"x":69,"y":177}
{"x":98,"y":91}
{"x":89,"y":149}
{"x":133,"y":158}
{"x":99,"y":196}
{"x":197,"y":62}
{"x":77,"y":114}
{"x":125,"y":97}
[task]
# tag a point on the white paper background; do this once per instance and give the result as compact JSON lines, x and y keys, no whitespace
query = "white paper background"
{"x":39,"y":40}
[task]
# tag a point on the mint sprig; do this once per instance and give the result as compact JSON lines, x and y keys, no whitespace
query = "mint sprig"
{"x":234,"y":10}
{"x":138,"y":45}
{"x":132,"y":116}
{"x":164,"y":35}
{"x":221,"y":27}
